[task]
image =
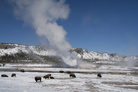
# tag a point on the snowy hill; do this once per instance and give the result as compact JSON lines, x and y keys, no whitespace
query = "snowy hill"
{"x":23,"y":53}
{"x":13,"y":49}
{"x":96,"y":56}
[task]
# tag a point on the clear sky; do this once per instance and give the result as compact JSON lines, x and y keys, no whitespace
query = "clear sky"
{"x":96,"y":25}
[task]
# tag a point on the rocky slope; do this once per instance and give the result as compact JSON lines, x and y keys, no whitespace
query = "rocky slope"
{"x":15,"y":52}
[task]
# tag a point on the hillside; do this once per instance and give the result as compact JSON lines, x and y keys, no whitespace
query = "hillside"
{"x":96,"y":56}
{"x":18,"y":53}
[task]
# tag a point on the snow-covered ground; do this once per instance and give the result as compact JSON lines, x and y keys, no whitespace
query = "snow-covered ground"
{"x":114,"y":79}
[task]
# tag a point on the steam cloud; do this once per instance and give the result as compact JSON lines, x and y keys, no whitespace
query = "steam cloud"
{"x":42,"y":16}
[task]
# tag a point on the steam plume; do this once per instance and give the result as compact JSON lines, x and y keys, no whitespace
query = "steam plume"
{"x":42,"y":16}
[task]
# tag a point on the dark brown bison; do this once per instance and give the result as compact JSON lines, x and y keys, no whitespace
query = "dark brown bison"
{"x":4,"y":75}
{"x":72,"y":75}
{"x":69,"y":72}
{"x":51,"y":77}
{"x":38,"y":78}
{"x":22,"y":70}
{"x":61,"y":71}
{"x":47,"y":76}
{"x":99,"y":75}
{"x":13,"y":75}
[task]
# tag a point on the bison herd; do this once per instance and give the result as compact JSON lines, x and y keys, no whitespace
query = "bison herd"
{"x":12,"y":75}
{"x":48,"y":76}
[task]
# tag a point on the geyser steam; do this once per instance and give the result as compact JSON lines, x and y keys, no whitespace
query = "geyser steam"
{"x":42,"y":16}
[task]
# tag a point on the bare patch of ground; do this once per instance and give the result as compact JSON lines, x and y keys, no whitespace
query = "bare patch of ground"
{"x":129,"y":87}
{"x":120,"y":83}
{"x":63,"y":78}
{"x":32,"y":66}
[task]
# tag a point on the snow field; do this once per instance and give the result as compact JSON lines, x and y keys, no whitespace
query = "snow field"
{"x":24,"y":82}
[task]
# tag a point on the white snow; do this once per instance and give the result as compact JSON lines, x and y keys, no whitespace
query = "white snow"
{"x":86,"y":80}
{"x":26,"y":49}
{"x":96,"y":55}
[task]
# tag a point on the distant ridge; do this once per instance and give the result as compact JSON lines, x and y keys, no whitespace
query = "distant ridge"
{"x":28,"y":52}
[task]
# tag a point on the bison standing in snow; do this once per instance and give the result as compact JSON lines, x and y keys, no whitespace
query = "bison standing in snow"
{"x":47,"y":76}
{"x":69,"y":72}
{"x":72,"y":75}
{"x":22,"y":70}
{"x":51,"y":77}
{"x":4,"y":75}
{"x":61,"y":71}
{"x":99,"y":75}
{"x":13,"y":75}
{"x":38,"y":78}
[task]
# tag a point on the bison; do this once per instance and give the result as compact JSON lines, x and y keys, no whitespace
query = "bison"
{"x":13,"y":75}
{"x":61,"y":71}
{"x":72,"y":75}
{"x":69,"y":72}
{"x":51,"y":77}
{"x":4,"y":75}
{"x":47,"y":76}
{"x":22,"y":70}
{"x":99,"y":75}
{"x":38,"y":78}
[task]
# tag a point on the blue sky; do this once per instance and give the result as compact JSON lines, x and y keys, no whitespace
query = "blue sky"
{"x":96,"y":25}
